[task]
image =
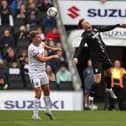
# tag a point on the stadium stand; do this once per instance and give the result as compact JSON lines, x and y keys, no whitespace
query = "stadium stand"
{"x":19,"y":18}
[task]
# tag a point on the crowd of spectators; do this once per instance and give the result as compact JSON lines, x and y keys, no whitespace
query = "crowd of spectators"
{"x":17,"y":19}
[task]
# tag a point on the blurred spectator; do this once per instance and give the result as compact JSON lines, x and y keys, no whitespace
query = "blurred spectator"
{"x":62,"y":58}
{"x":9,"y":2}
{"x":10,"y":56}
{"x":117,"y":84}
{"x":3,"y":84}
{"x":26,"y":66}
{"x":13,"y":68}
{"x":50,"y":73}
{"x":22,"y":34}
{"x":15,"y":5}
{"x":32,"y":19}
{"x":51,"y":44}
{"x":6,"y":18}
{"x":4,"y":5}
{"x":88,"y":82}
{"x":21,"y":12}
{"x":7,"y":39}
{"x":48,"y":24}
{"x":41,"y":32}
{"x":14,"y":64}
{"x":19,"y":18}
{"x":2,"y":63}
{"x":63,"y":74}
{"x":59,"y":45}
{"x":22,"y":55}
{"x":53,"y":35}
{"x":33,"y":15}
{"x":43,"y":5}
{"x":1,"y":60}
{"x":24,"y":69}
{"x":12,"y":72}
{"x":55,"y":63}
{"x":28,"y":2}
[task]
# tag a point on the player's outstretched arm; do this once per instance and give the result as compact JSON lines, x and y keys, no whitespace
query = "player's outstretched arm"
{"x":123,"y":25}
{"x":51,"y":48}
{"x":46,"y":58}
{"x":80,"y":48}
{"x":108,"y":28}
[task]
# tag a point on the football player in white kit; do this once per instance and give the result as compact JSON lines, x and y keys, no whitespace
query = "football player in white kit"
{"x":38,"y":76}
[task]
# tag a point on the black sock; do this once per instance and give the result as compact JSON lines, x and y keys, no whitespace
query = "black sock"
{"x":108,"y":82}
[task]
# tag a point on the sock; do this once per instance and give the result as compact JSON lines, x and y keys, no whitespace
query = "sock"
{"x":108,"y":82}
{"x":86,"y":105}
{"x":36,"y":106}
{"x":47,"y":102}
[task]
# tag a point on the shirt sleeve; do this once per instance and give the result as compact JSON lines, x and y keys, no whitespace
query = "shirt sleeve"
{"x":106,"y":28}
{"x":42,"y":43}
{"x":34,"y":52}
{"x":79,"y":50}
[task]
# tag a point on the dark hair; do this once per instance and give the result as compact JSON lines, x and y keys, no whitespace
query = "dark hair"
{"x":33,"y":34}
{"x":63,"y":64}
{"x":80,"y":23}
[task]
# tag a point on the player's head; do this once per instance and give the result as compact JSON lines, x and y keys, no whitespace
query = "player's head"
{"x":84,"y":24}
{"x":35,"y":36}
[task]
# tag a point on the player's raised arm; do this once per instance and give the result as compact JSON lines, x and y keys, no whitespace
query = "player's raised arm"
{"x":78,"y":51}
{"x":108,"y":28}
{"x":123,"y":25}
{"x":46,"y":58}
{"x":52,"y":48}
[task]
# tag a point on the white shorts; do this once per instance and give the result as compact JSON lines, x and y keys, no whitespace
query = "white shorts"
{"x":39,"y":80}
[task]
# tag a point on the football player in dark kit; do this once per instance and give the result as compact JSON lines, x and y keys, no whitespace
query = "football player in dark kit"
{"x":96,"y":50}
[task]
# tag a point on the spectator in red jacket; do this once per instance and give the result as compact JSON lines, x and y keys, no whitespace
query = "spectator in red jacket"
{"x":53,"y":35}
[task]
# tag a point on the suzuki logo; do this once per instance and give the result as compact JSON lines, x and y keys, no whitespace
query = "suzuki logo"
{"x":73,"y":12}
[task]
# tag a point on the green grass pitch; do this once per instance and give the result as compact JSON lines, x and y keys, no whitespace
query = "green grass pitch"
{"x":64,"y":118}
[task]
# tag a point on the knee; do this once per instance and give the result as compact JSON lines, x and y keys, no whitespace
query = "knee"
{"x":38,"y":94}
{"x":46,"y":90}
{"x":46,"y":93}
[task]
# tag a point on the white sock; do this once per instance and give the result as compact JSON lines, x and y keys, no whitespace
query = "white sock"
{"x":36,"y":106}
{"x":86,"y":105}
{"x":47,"y":102}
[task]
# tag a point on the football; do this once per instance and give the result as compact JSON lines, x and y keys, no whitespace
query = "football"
{"x":52,"y":12}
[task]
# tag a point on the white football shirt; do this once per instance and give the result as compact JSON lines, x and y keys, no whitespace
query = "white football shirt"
{"x":36,"y":67}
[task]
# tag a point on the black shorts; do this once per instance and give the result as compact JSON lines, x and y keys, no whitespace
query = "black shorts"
{"x":99,"y":66}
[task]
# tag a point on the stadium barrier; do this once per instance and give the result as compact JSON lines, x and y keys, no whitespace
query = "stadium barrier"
{"x":23,"y":100}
